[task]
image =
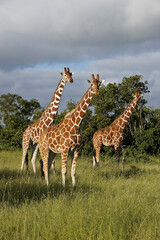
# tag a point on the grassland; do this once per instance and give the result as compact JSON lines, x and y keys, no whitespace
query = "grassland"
{"x":105,"y":204}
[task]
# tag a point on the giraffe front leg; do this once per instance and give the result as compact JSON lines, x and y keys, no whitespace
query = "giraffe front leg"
{"x":73,"y":168}
{"x":123,"y":159}
{"x":25,"y":146}
{"x":64,"y":156}
{"x":33,"y":159}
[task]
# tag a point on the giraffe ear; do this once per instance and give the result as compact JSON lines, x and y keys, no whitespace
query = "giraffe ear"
{"x":89,"y":81}
{"x":98,"y":77}
{"x":61,"y":73}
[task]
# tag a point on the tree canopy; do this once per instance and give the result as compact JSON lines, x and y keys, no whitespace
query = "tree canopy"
{"x":15,"y":115}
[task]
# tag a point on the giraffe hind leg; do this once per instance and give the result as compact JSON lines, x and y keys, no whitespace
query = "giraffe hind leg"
{"x":41,"y":168}
{"x":34,"y":154}
{"x":117,"y":155}
{"x":51,"y":161}
{"x":44,"y":151}
{"x":26,"y":160}
{"x":96,"y":156}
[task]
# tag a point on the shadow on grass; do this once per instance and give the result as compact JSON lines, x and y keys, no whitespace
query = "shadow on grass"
{"x":8,"y":174}
{"x":16,"y":189}
{"x":133,"y":171}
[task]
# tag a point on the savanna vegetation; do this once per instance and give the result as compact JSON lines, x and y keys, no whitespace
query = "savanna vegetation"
{"x":106,"y":202}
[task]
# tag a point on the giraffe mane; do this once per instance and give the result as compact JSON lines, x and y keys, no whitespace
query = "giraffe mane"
{"x":69,"y":114}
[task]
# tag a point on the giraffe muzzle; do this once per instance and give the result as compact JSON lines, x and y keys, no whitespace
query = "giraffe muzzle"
{"x":71,"y":80}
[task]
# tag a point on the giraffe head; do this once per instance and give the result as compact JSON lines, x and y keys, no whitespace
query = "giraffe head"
{"x":95,"y":84}
{"x":67,"y":75}
{"x":137,"y":96}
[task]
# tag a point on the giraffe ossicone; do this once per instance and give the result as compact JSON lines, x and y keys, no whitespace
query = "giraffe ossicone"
{"x":66,"y":136}
{"x":33,"y":132}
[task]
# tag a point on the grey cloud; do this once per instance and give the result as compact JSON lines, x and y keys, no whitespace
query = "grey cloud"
{"x":113,"y":38}
{"x":56,"y":31}
{"x":147,"y":65}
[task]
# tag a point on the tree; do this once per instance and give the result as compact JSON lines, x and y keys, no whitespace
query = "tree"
{"x":15,"y":114}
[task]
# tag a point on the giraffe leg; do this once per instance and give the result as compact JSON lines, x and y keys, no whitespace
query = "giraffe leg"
{"x":53,"y":166}
{"x":51,"y":163}
{"x":45,"y":156}
{"x":41,"y":168}
{"x":117,"y":155}
{"x":64,"y":156}
{"x":73,"y":168}
{"x":26,"y":160}
{"x":34,"y":154}
{"x":123,"y":159}
{"x":45,"y":169}
{"x":97,"y":145}
{"x":51,"y":160}
{"x":44,"y":151}
{"x":96,"y":156}
{"x":25,"y":146}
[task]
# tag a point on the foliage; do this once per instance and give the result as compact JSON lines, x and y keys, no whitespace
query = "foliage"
{"x":16,"y":114}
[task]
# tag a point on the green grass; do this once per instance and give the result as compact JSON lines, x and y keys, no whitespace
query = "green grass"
{"x":105,"y":204}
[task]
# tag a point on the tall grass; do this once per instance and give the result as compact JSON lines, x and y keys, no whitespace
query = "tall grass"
{"x":105,"y":204}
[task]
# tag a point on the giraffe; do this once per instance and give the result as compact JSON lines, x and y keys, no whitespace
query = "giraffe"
{"x":33,"y":132}
{"x":113,"y":134}
{"x":66,"y":136}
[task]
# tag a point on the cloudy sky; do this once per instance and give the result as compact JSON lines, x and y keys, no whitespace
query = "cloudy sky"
{"x":38,"y":38}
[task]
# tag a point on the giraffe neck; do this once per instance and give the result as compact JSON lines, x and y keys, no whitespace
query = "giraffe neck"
{"x":123,"y":119}
{"x":49,"y":114}
{"x":82,"y":107}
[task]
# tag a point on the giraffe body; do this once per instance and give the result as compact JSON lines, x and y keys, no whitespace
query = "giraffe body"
{"x":34,"y":131}
{"x":113,"y":134}
{"x":65,"y":136}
